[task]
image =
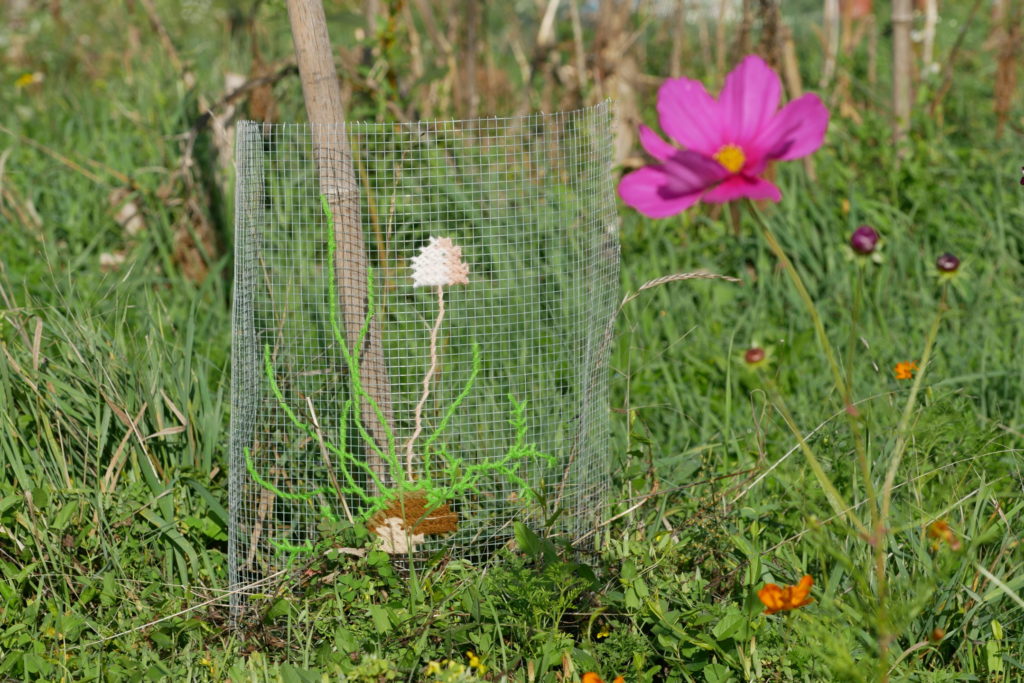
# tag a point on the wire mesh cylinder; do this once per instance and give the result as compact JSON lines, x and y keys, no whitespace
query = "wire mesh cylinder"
{"x":438,"y":414}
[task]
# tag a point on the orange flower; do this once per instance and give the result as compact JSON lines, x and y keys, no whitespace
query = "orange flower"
{"x":591,"y":677}
{"x":905,"y":369}
{"x":940,"y":531}
{"x":776,"y":599}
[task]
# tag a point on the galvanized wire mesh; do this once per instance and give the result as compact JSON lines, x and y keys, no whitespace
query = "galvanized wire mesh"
{"x":516,"y":423}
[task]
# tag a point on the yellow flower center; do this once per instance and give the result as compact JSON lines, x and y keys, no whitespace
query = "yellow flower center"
{"x":731,"y":157}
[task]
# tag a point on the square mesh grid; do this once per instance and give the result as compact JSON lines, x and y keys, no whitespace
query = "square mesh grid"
{"x":515,"y":426}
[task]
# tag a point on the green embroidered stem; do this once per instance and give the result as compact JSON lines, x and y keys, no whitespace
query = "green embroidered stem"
{"x":251,"y":467}
{"x":268,"y":368}
{"x":352,"y":358}
{"x":458,"y":399}
{"x":343,"y":456}
{"x":464,"y":478}
{"x":291,"y":550}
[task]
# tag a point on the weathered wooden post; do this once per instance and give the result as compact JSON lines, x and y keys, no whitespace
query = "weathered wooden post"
{"x":902,"y":57}
{"x":333,"y":159}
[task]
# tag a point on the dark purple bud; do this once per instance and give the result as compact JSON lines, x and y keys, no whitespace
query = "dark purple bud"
{"x":864,"y":239}
{"x":754,"y":355}
{"x":947,"y":263}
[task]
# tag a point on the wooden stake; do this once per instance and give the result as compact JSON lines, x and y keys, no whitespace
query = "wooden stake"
{"x":741,"y":47}
{"x":847,"y":41}
{"x":995,"y":35}
{"x":471,"y":20}
{"x":901,"y":68}
{"x":770,"y":12}
{"x":830,"y":38}
{"x":720,"y":39}
{"x":704,"y":37}
{"x":1006,"y":67}
{"x":333,"y":157}
{"x":790,"y":65}
{"x":581,"y":51}
{"x":931,"y":19}
{"x":675,"y":60}
{"x":872,"y":51}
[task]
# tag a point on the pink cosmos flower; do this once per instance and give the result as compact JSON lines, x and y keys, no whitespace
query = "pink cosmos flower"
{"x":729,"y":141}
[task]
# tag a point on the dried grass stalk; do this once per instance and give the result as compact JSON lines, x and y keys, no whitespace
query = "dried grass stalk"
{"x":675,"y":61}
{"x":677,"y":277}
{"x":720,"y":38}
{"x":741,"y":46}
{"x":770,"y":48}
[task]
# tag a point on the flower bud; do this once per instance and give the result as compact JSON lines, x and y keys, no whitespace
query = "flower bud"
{"x":864,"y":239}
{"x":754,"y":355}
{"x":947,"y":263}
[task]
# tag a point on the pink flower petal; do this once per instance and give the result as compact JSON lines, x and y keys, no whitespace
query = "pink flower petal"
{"x":645,"y":190}
{"x":743,"y":186}
{"x":689,"y":115}
{"x":655,"y":146}
{"x":748,"y":100}
{"x":689,"y":171}
{"x":794,"y":132}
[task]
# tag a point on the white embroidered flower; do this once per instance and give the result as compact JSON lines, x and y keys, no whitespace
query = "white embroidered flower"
{"x":439,"y":265}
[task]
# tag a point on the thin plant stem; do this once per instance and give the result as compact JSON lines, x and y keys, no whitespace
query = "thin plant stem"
{"x":842,"y":383}
{"x":835,"y":498}
{"x":851,"y":346}
{"x":805,"y":297}
{"x":908,"y":409}
{"x":878,"y":530}
{"x":863,"y":462}
{"x":876,"y":537}
{"x":418,"y":413}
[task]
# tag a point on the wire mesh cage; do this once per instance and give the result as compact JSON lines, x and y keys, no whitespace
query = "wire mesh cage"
{"x":439,"y":371}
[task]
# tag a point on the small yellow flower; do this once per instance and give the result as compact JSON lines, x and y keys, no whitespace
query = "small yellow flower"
{"x":905,"y":370}
{"x":603,"y":633}
{"x":26,"y":80}
{"x":475,"y":663}
{"x":433,"y":668}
